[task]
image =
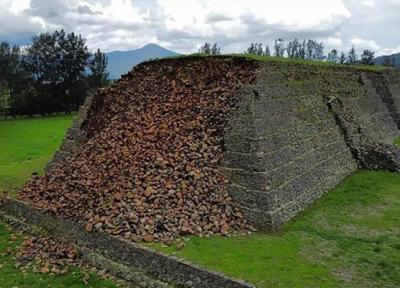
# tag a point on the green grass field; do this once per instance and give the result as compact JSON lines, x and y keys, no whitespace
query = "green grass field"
{"x":25,"y":147}
{"x":349,"y":238}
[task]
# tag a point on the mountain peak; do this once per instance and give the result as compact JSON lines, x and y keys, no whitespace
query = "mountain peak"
{"x":152,"y":45}
{"x":121,"y":62}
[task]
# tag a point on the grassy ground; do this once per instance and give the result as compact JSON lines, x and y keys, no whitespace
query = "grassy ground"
{"x":350,"y":238}
{"x":25,"y":147}
{"x":273,"y":59}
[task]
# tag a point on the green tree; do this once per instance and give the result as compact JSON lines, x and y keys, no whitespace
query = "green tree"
{"x":251,"y":50}
{"x":302,"y":50}
{"x":57,"y":62}
{"x":279,"y":48}
{"x":42,"y":63}
{"x":333,"y":56}
{"x":4,"y":75}
{"x":314,"y":50}
{"x":98,"y":66}
{"x":293,"y":49}
{"x":342,"y":58}
{"x":205,"y":49}
{"x":352,"y":56}
{"x":367,"y":57}
{"x":255,"y":49}
{"x":15,"y":81}
{"x":210,"y":50}
{"x":73,"y":56}
{"x":215,"y":50}
{"x":267,"y":51}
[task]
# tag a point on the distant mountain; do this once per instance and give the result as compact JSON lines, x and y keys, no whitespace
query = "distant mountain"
{"x":120,"y":62}
{"x":389,"y":59}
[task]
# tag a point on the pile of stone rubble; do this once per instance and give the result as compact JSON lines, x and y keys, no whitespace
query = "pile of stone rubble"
{"x":148,"y":169}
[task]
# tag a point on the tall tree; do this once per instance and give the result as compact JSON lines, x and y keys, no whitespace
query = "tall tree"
{"x":98,"y":66}
{"x":57,"y":62}
{"x":15,"y":81}
{"x":215,"y":50}
{"x":314,"y":50}
{"x":267,"y":51}
{"x":260,"y":49}
{"x":319,"y":51}
{"x":255,"y":49}
{"x":293,"y":49}
{"x":310,"y":49}
{"x":42,"y":62}
{"x":205,"y":49}
{"x":210,"y":50}
{"x":279,"y":48}
{"x":367,"y":57}
{"x":73,"y":56}
{"x":352,"y":56}
{"x":251,"y":50}
{"x":333,"y":56}
{"x":342,"y":58}
{"x":4,"y":74}
{"x":302,"y":50}
{"x":3,"y":98}
{"x":5,"y":53}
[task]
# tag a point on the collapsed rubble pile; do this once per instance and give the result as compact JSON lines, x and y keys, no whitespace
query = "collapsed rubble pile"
{"x":149,"y":167}
{"x":49,"y":255}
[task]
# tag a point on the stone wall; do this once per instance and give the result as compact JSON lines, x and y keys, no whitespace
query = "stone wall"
{"x":388,"y":85}
{"x":366,"y":120}
{"x":299,"y":132}
{"x":74,"y":136}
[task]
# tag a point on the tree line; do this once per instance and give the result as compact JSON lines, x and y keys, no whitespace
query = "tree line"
{"x":53,"y":75}
{"x":296,"y":49}
{"x":57,"y":71}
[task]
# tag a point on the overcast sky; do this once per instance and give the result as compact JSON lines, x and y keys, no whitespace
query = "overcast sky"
{"x":182,"y":25}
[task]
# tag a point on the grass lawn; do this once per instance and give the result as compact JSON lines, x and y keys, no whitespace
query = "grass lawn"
{"x":349,"y":238}
{"x":26,"y":145}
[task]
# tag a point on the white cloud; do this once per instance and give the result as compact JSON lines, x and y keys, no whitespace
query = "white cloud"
{"x":368,"y":3}
{"x":334,"y":42}
{"x":360,"y":43}
{"x":193,"y":15}
{"x":16,"y":6}
{"x":388,"y":51}
{"x":13,"y":21}
{"x":182,"y":25}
